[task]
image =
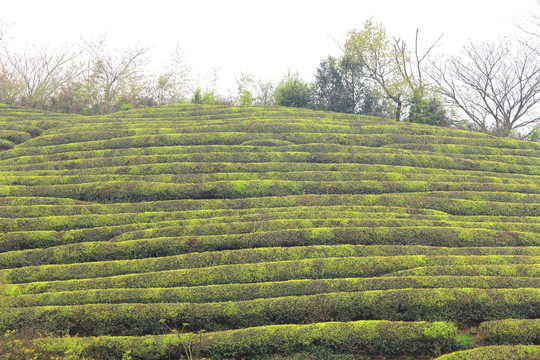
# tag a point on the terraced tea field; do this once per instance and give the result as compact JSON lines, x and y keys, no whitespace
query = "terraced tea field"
{"x":245,"y":232}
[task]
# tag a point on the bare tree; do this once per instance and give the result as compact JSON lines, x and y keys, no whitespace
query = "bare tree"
{"x":412,"y":70}
{"x":174,"y":84}
{"x":114,"y":76}
{"x":3,"y":27}
{"x":497,"y":85}
{"x":36,"y":74}
{"x":264,"y":91}
{"x":531,"y":24}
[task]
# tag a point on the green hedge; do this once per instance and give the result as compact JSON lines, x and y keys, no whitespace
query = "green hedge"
{"x":354,"y":217}
{"x":137,"y":191}
{"x":272,"y":219}
{"x":27,"y":155}
{"x":428,"y":203}
{"x":510,"y":332}
{"x":518,"y":270}
{"x":437,"y":256}
{"x":21,"y":156}
{"x":463,"y":306}
{"x":156,"y":165}
{"x":239,"y":273}
{"x":280,"y":271}
{"x":190,"y":239}
{"x":390,"y":158}
{"x":465,"y":149}
{"x":23,"y":240}
{"x":369,"y":338}
{"x":14,"y":136}
{"x":503,"y":352}
{"x":241,"y":292}
{"x":6,"y":144}
{"x":33,"y":179}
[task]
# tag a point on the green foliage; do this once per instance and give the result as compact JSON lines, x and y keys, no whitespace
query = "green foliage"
{"x":197,"y":97}
{"x":339,"y":86}
{"x":534,"y":134}
{"x":207,"y":98}
{"x":251,"y":291}
{"x":517,"y":352}
{"x":246,"y":98}
{"x":30,"y":344}
{"x":371,"y":49}
{"x":510,"y":332}
{"x":425,"y":110}
{"x":292,"y":92}
{"x":226,"y":218}
{"x":463,"y":306}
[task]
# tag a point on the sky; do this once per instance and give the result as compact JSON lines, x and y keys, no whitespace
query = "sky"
{"x":264,"y":38}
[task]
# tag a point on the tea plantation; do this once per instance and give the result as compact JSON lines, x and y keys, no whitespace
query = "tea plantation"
{"x":274,"y":233}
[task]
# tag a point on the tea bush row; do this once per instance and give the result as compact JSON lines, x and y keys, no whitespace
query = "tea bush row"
{"x":176,"y":206}
{"x":34,"y":180}
{"x":21,"y":156}
{"x":291,"y":217}
{"x":262,"y":290}
{"x":280,"y":176}
{"x":186,"y":168}
{"x":412,"y":160}
{"x":501,"y":352}
{"x":318,"y":268}
{"x":245,"y":256}
{"x":510,"y":332}
{"x":369,"y":338}
{"x":272,"y":220}
{"x":153,"y":245}
{"x":463,"y":306}
{"x":425,"y":203}
{"x":139,"y":191}
{"x":475,"y":270}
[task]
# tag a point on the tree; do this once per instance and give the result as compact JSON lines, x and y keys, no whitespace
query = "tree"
{"x":496,"y":84}
{"x":115,"y":77}
{"x":265,"y":93}
{"x":207,"y":98}
{"x":428,"y":111}
{"x":339,"y":86}
{"x":292,"y":91}
{"x":392,"y":69}
{"x":197,"y":97}
{"x":371,"y":49}
{"x":244,"y":84}
{"x":172,"y":85}
{"x":531,"y":25}
{"x":246,"y":98}
{"x":33,"y":77}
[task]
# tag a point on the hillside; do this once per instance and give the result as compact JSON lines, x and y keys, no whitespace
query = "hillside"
{"x":237,"y":232}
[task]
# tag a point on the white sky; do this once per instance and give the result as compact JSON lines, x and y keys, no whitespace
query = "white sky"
{"x":265,"y":38}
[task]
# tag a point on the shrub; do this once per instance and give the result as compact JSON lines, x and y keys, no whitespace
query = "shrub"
{"x":463,"y":306}
{"x":292,"y":91}
{"x":516,"y":352}
{"x":510,"y":332}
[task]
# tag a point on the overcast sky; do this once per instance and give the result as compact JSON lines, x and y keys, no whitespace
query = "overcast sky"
{"x":265,"y":38}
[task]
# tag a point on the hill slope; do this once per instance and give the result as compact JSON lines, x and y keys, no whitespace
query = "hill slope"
{"x":138,"y":230}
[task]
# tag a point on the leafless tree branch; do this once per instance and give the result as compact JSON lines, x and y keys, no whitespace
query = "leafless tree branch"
{"x":497,"y":85}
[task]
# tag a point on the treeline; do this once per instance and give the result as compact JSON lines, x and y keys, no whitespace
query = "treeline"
{"x":493,"y":87}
